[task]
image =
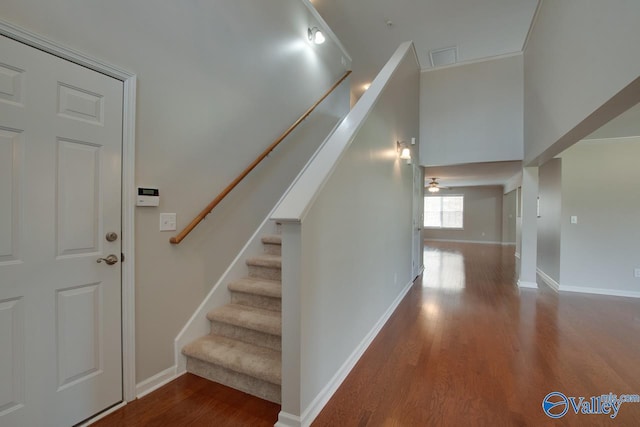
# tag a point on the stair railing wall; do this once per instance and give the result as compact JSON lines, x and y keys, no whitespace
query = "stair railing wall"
{"x":211,"y":206}
{"x":198,"y":325}
{"x":347,"y":241}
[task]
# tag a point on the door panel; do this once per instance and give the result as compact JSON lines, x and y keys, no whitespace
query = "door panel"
{"x":79,"y":337}
{"x":10,"y":164}
{"x":60,"y":192}
{"x":78,"y":217}
{"x":11,"y":355}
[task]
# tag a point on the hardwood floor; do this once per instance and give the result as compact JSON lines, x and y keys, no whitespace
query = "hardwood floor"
{"x":467,"y":348}
{"x":194,"y":401}
{"x":464,"y":348}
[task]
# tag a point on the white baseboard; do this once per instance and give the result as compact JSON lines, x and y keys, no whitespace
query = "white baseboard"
{"x":548,"y":280}
{"x":285,"y":419}
{"x":600,"y":291}
{"x":155,"y":382}
{"x":527,"y":285}
{"x":482,"y":242}
{"x":508,"y":243}
{"x":312,"y":411}
{"x":584,"y":290}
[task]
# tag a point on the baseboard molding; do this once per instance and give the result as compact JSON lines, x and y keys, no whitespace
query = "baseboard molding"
{"x":548,"y":280}
{"x":600,"y":291}
{"x":508,"y":243}
{"x":313,"y":410}
{"x":285,"y":419}
{"x":527,"y":285}
{"x":155,"y":382}
{"x":481,"y":242}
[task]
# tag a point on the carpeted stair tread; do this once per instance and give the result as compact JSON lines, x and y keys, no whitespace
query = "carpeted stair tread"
{"x":274,"y":239}
{"x":248,"y":317}
{"x":268,"y":261}
{"x":253,"y":285}
{"x":258,"y":362}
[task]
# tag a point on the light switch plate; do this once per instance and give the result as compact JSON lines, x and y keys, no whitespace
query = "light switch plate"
{"x":574,"y":219}
{"x":168,"y":222}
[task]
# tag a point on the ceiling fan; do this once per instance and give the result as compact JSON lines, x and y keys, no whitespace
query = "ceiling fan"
{"x":434,"y":186}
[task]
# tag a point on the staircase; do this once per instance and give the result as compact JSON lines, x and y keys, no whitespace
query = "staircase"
{"x":243,"y":349}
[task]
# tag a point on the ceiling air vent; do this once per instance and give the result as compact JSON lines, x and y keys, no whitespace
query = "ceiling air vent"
{"x":442,"y":57}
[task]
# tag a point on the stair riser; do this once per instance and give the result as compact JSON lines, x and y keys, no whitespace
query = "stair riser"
{"x":258,"y":301}
{"x":249,"y":336}
{"x":270,"y":249}
{"x":265,"y":273}
{"x":253,"y":386}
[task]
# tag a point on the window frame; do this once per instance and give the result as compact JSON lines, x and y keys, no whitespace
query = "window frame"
{"x":442,"y":196}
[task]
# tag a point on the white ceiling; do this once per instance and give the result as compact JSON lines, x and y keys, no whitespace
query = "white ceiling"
{"x":479,"y":28}
{"x":474,"y":174}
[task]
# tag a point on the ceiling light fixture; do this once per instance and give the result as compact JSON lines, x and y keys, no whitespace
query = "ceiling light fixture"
{"x":315,"y":35}
{"x":434,"y":186}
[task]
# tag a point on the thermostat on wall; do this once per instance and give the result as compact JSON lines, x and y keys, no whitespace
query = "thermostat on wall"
{"x":148,"y":197}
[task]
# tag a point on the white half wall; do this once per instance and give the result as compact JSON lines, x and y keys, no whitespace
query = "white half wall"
{"x":472,"y":113}
{"x":341,"y":281}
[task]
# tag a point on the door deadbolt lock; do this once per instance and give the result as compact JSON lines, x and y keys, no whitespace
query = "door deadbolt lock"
{"x":109,"y":260}
{"x":111,"y":236}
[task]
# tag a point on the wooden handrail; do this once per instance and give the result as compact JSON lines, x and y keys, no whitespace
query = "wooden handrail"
{"x":206,"y":211}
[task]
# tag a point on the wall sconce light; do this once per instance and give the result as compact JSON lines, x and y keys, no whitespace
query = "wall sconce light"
{"x":315,"y":35}
{"x":404,"y":150}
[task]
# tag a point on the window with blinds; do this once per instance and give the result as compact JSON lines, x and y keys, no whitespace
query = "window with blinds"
{"x":443,"y":211}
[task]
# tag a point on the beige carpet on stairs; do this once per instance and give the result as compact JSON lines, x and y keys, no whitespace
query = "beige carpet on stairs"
{"x":243,"y":350}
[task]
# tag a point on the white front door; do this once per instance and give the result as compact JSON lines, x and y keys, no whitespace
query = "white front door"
{"x":418,"y":213}
{"x":60,"y":194}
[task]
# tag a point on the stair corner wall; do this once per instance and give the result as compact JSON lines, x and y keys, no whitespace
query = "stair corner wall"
{"x":346,"y":241}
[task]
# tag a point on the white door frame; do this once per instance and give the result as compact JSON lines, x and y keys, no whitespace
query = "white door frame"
{"x":128,"y":183}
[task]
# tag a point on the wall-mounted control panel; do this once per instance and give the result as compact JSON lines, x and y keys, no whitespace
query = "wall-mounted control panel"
{"x":147,"y":196}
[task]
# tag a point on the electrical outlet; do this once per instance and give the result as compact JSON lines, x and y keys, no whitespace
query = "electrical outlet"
{"x":167,"y":222}
{"x":636,"y":273}
{"x":574,"y":219}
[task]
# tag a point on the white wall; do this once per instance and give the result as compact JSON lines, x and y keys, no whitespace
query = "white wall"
{"x":549,"y":222}
{"x":472,"y":113}
{"x":578,"y":56}
{"x":217,"y":82}
{"x":482,"y":220}
{"x":600,"y":187}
